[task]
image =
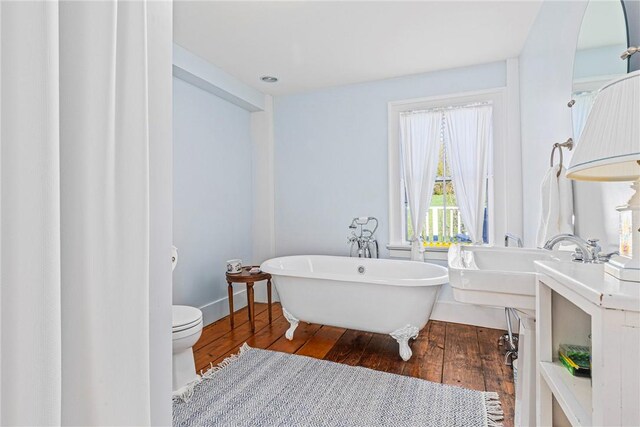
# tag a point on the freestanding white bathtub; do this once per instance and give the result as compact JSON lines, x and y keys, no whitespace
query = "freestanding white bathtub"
{"x":373,"y":295}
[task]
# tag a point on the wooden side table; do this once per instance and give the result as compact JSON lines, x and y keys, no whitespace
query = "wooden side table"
{"x":249,"y":279}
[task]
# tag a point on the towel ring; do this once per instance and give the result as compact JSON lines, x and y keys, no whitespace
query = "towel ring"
{"x":568,"y":144}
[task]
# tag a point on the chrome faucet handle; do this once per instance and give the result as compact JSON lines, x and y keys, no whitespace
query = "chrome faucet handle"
{"x":607,"y":257}
{"x":594,"y":247}
{"x":577,"y":255}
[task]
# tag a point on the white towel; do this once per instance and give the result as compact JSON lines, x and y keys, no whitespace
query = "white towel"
{"x":557,"y":205}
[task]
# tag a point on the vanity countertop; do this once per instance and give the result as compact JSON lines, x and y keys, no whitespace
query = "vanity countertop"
{"x":591,"y":282}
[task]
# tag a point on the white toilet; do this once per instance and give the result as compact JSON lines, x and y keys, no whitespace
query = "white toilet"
{"x":187,"y":328}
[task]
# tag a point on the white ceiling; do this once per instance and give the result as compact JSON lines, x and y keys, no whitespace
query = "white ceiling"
{"x":311,"y":45}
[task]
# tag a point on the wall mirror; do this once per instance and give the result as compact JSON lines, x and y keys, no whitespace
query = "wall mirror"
{"x":602,"y":38}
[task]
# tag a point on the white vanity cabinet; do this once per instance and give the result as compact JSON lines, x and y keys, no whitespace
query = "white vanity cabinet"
{"x":580,"y":304}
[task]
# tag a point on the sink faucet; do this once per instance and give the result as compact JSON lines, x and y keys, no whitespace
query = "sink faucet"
{"x":590,"y":249}
{"x":512,"y":236}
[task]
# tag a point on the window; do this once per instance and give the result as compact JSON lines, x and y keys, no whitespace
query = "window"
{"x":443,"y":223}
{"x":443,"y":220}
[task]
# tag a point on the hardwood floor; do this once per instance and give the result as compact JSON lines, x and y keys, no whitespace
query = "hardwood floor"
{"x":449,"y":353}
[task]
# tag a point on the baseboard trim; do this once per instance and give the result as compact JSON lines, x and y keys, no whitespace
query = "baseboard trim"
{"x":218,"y":309}
{"x":261,"y":294}
{"x":447,"y":309}
{"x":468,"y":314}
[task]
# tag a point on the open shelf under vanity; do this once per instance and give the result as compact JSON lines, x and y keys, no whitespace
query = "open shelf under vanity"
{"x":578,"y":304}
{"x":572,"y":393}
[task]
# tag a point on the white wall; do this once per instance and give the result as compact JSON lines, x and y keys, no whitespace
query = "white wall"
{"x":330,"y":157}
{"x":546,"y":70}
{"x":212,"y":196}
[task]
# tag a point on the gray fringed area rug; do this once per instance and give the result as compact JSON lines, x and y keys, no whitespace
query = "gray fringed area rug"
{"x":268,"y":388}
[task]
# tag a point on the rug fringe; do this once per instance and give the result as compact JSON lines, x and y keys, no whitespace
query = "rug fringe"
{"x":186,"y":393}
{"x":226,"y":362}
{"x":493,"y":409}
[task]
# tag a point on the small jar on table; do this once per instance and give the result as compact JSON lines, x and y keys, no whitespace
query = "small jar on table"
{"x":249,"y":280}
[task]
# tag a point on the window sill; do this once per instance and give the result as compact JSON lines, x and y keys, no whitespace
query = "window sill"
{"x":430,"y":253}
{"x":426,"y":249}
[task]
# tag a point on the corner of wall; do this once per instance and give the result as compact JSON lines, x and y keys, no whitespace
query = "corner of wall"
{"x":514,"y":153}
{"x":263,"y":182}
{"x":263,"y":224}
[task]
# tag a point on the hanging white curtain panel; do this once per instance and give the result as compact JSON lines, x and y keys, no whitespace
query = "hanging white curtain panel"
{"x":468,"y":139}
{"x":419,"y":145}
{"x":75,"y":175}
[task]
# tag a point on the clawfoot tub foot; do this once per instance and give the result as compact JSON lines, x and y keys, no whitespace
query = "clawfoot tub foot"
{"x":403,"y":335}
{"x":292,"y":321}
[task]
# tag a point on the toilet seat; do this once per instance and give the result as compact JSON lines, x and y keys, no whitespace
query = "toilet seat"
{"x":185,"y":317}
{"x":186,"y":331}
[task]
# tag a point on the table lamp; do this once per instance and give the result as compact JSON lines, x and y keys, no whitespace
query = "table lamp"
{"x":609,"y":150}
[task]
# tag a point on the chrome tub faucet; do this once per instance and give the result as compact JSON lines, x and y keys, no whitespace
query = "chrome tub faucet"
{"x":364,"y":241}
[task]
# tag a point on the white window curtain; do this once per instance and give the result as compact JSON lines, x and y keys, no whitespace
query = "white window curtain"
{"x":74,"y":230}
{"x":419,"y":146}
{"x":468,"y":138}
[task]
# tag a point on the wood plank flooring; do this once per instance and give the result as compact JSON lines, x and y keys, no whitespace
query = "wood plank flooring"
{"x":449,"y":353}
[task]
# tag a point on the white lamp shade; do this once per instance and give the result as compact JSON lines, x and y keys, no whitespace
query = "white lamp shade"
{"x":609,"y":147}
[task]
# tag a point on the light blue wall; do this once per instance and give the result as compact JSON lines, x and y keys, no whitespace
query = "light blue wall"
{"x":211,"y":194}
{"x":331,"y":155}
